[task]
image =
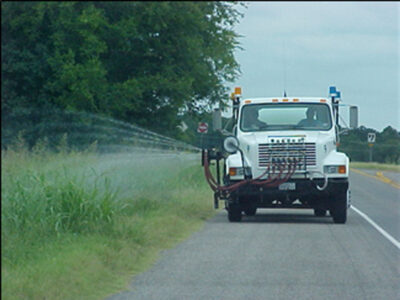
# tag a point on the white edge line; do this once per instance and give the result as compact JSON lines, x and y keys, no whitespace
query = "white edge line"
{"x":377,"y":227}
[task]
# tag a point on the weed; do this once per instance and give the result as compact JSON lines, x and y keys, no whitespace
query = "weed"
{"x":96,"y":218}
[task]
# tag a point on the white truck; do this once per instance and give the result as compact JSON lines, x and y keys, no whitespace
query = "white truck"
{"x":282,"y":154}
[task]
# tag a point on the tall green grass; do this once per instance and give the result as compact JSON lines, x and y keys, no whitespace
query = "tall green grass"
{"x":79,"y":225}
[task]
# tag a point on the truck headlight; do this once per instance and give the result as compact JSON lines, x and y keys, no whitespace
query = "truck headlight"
{"x":335,"y":169}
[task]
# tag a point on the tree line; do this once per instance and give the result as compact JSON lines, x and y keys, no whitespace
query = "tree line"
{"x":146,"y":63}
{"x":386,"y":148}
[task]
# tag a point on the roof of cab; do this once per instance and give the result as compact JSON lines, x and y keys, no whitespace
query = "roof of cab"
{"x":284,"y":100}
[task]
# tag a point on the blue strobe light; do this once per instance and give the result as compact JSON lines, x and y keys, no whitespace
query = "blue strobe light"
{"x":332,"y":91}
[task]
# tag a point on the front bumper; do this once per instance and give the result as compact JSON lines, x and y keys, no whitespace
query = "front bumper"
{"x":304,"y":187}
{"x":306,"y":195}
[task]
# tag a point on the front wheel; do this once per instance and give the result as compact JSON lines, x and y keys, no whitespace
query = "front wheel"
{"x":338,"y":209}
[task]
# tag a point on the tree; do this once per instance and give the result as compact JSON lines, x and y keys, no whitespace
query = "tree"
{"x":141,"y":62}
{"x":386,"y":149}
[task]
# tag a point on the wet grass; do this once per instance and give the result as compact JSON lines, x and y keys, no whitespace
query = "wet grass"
{"x":80,"y":225}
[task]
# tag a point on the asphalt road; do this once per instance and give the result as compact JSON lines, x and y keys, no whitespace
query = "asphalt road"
{"x":286,"y":254}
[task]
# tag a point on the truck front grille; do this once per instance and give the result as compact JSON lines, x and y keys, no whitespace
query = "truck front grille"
{"x":278,"y":152}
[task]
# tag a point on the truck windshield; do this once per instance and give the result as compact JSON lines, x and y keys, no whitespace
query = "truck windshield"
{"x":288,"y":116}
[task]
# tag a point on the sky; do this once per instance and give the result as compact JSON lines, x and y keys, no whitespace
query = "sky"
{"x":305,"y":47}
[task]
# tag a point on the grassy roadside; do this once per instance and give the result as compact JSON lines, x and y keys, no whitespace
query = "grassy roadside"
{"x":375,"y":166}
{"x":79,"y":225}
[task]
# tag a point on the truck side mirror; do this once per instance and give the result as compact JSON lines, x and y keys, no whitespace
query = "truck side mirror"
{"x":353,"y":117}
{"x":231,"y":144}
{"x":217,"y":120}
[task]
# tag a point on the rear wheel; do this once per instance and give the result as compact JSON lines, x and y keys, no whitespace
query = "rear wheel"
{"x":234,"y":213}
{"x":338,"y":209}
{"x":320,"y":212}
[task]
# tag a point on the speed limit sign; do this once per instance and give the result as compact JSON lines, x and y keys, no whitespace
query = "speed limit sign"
{"x":371,"y":137}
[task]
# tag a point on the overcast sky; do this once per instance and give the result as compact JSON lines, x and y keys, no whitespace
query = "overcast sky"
{"x":305,"y":47}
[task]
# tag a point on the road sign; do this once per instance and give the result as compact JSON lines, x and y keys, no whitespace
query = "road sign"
{"x":182,"y":126}
{"x":371,"y":137}
{"x":202,"y":128}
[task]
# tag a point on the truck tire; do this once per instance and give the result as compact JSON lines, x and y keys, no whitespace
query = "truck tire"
{"x":338,"y":209}
{"x":234,"y":214}
{"x":318,"y":212}
{"x":251,"y":211}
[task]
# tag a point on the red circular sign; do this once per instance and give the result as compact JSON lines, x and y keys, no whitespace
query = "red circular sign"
{"x":203,"y":127}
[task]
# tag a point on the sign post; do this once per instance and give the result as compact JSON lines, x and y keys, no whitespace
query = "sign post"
{"x":202,"y":128}
{"x":371,"y":141}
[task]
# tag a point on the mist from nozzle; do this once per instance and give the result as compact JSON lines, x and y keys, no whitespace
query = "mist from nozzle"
{"x":82,"y":129}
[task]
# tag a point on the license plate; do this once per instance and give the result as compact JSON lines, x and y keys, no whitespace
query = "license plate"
{"x":287,"y":186}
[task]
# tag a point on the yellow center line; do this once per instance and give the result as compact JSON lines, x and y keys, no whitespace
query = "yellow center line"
{"x":379,"y":176}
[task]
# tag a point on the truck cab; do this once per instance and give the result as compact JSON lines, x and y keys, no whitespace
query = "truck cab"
{"x":283,"y":154}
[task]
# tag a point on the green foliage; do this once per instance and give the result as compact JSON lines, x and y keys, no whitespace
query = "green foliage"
{"x":386,"y":148}
{"x":140,"y":62}
{"x":39,"y":203}
{"x":79,"y":225}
